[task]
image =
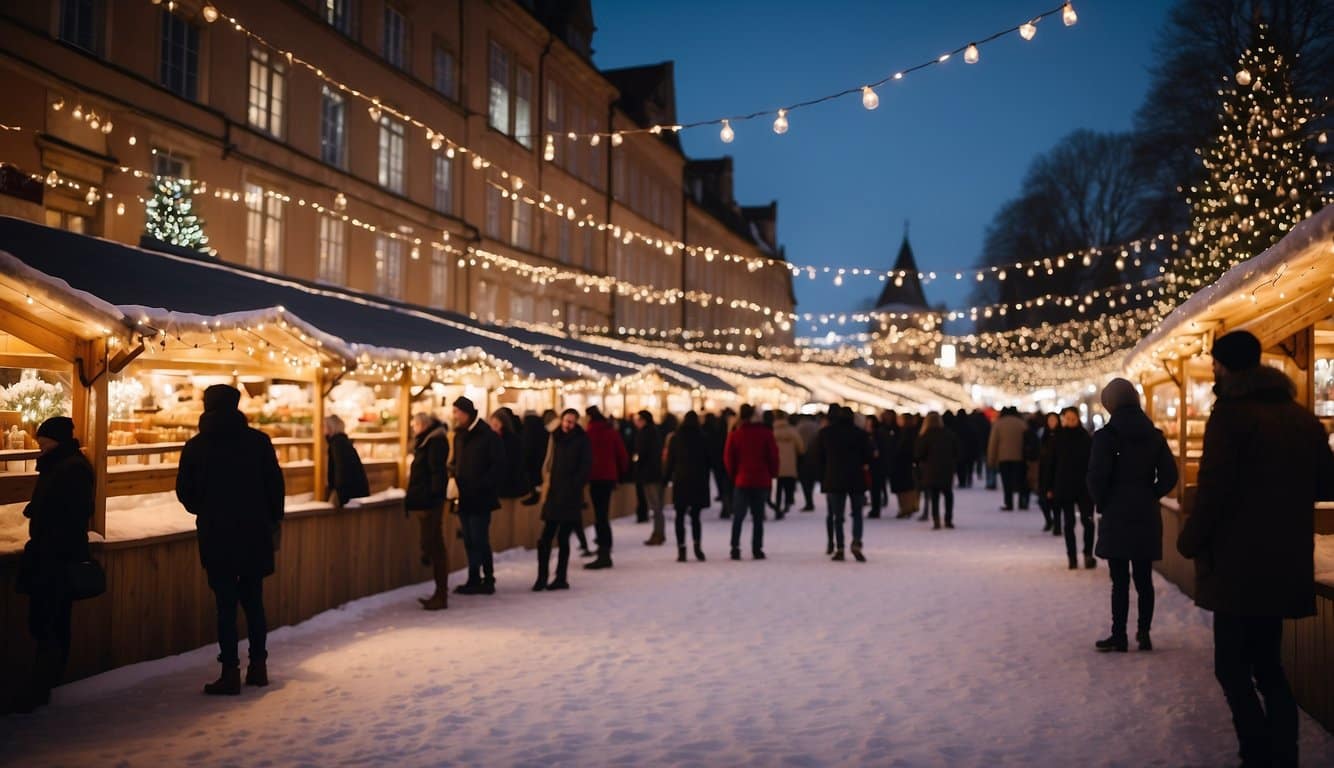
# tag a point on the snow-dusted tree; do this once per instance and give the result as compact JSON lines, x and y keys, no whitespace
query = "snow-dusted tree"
{"x":1262,"y":175}
{"x":170,"y":214}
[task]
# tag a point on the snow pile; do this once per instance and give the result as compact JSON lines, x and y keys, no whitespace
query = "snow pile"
{"x":964,"y":648}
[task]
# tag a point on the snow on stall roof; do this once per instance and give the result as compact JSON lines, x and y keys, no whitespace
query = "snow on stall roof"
{"x":56,"y":292}
{"x":1315,"y":231}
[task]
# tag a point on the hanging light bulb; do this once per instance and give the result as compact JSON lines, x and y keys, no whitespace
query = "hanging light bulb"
{"x":780,"y":122}
{"x":727,"y":134}
{"x":869,"y":98}
{"x":210,"y":13}
{"x":94,"y":122}
{"x":1068,"y":15}
{"x":91,"y":197}
{"x":477,"y":162}
{"x":970,"y":54}
{"x":132,"y":140}
{"x":1028,"y":30}
{"x":595,"y":140}
{"x":616,"y":139}
{"x":1244,"y":77}
{"x":77,"y":114}
{"x":549,"y":149}
{"x":120,"y":209}
{"x":106,"y":127}
{"x":52,"y":179}
{"x":374,"y":112}
{"x":58,"y":104}
{"x":340,"y":201}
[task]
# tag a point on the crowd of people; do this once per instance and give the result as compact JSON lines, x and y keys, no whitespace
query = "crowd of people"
{"x":1266,"y":461}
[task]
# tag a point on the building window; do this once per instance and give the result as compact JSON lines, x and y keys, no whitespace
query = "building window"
{"x":267,"y":79}
{"x":439,"y":278}
{"x":179,"y":66}
{"x":521,"y":307}
{"x":492,"y":212}
{"x":521,"y":225}
{"x":339,"y":15}
{"x":395,"y":37}
{"x":444,"y":184}
{"x":333,"y":144}
{"x":576,"y":146}
{"x":71,"y":222}
{"x":588,"y":248}
{"x":563,"y":249}
{"x":445,"y":73}
{"x":264,"y":228}
{"x":165,"y":164}
{"x":388,"y":267}
{"x":523,"y":107}
{"x":81,"y":24}
{"x":332,"y":264}
{"x":486,"y":302}
{"x":498,"y":102}
{"x":391,"y":154}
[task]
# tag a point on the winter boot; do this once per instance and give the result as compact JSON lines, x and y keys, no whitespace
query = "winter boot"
{"x":699,"y":553}
{"x":680,"y":554}
{"x":1090,"y":562}
{"x":656,"y":540}
{"x":829,"y":550}
{"x":586,"y":552}
{"x":857,"y":552}
{"x":543,"y":563}
{"x":1117,"y":643}
{"x":758,"y":555}
{"x":1145,"y":643}
{"x":440,"y":599}
{"x":1074,"y":563}
{"x":227,"y":684}
{"x":1056,"y":528}
{"x":558,"y":585}
{"x":1046,"y":526}
{"x":602,"y":563}
{"x":257,"y":674}
{"x":838,"y":556}
{"x":469,"y":587}
{"x":935,"y":523}
{"x":736,"y":553}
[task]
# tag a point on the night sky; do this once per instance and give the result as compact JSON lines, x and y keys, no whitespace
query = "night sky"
{"x":945,"y":148}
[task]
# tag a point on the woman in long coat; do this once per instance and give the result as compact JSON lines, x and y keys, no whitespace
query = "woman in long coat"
{"x":569,"y":463}
{"x":687,"y":467}
{"x":902,"y":479}
{"x":937,"y":454}
{"x":1047,"y":475}
{"x":347,"y":477}
{"x":59,"y":511}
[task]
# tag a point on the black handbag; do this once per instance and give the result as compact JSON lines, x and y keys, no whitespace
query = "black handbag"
{"x":85,"y":580}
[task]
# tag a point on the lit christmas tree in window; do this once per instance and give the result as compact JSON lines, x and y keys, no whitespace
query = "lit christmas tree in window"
{"x":1262,"y":175}
{"x":170,"y":215}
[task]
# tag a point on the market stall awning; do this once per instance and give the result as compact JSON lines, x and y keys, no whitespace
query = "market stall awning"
{"x":620,"y":359}
{"x":156,"y":285}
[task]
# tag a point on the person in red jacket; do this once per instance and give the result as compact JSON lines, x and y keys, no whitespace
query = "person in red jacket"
{"x":751,"y":458}
{"x":610,"y":463}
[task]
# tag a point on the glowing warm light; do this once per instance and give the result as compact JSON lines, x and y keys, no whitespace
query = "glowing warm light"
{"x":1028,"y":30}
{"x":1068,"y":15}
{"x":727,"y":134}
{"x":210,"y":13}
{"x":970,"y":54}
{"x":780,"y":122}
{"x":1244,"y":77}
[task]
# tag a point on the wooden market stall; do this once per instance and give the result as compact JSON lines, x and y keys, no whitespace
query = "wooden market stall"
{"x":1285,"y":296}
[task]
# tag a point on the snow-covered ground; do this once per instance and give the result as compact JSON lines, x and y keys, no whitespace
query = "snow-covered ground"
{"x":965,"y":647}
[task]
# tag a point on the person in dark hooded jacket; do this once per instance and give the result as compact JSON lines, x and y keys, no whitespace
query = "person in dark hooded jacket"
{"x":534,"y":439}
{"x":569,"y":464}
{"x":902,"y":468}
{"x":937,"y":454}
{"x":968,"y":447}
{"x":58,"y":512}
{"x":844,"y":452}
{"x":647,"y":457}
{"x":1130,"y":468}
{"x":1068,"y":485}
{"x":428,"y":479}
{"x":687,"y":467}
{"x":514,"y":484}
{"x":229,"y":479}
{"x":479,"y":468}
{"x":1266,"y":462}
{"x":346,"y":476}
{"x":1051,"y":521}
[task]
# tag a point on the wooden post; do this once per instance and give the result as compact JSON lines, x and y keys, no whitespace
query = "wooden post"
{"x":404,"y":426}
{"x":319,"y":448}
{"x":91,"y":420}
{"x":1183,"y":425}
{"x":555,"y":399}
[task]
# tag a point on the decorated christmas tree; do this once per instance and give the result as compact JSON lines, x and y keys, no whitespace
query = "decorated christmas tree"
{"x":170,"y":214}
{"x":1261,"y":175}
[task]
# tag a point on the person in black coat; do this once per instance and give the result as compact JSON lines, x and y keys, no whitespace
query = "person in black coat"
{"x":647,"y":455}
{"x":479,"y":469}
{"x":687,"y":467}
{"x":534,"y":447}
{"x":968,"y":447}
{"x":229,"y":479}
{"x":58,"y":514}
{"x":902,"y":472}
{"x":1068,"y":488}
{"x":514,"y":483}
{"x":843,"y":453}
{"x":569,"y":463}
{"x":346,"y":476}
{"x":982,"y":430}
{"x":1266,"y":462}
{"x":936,"y":451}
{"x":428,"y":480}
{"x":715,"y":434}
{"x":1130,"y":469}
{"x":1051,"y":521}
{"x":887,"y":427}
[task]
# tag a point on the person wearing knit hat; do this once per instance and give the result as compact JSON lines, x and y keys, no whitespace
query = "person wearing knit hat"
{"x":221,"y":397}
{"x":59,"y":510}
{"x":1130,"y":468}
{"x":478,"y":466}
{"x":1265,"y":464}
{"x":465,"y":405}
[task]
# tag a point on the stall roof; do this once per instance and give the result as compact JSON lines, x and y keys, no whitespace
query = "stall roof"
{"x":134,"y":278}
{"x":624,"y":356}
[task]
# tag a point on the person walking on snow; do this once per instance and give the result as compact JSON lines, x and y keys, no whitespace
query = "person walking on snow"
{"x":790,"y":449}
{"x":428,"y":481}
{"x":1069,"y":490}
{"x":687,"y":467}
{"x":647,"y":460}
{"x":1266,"y":463}
{"x":479,"y":470}
{"x":1130,"y":469}
{"x":229,"y":479}
{"x":807,"y":474}
{"x":1005,"y":453}
{"x":937,"y":453}
{"x":844,"y":453}
{"x":610,"y":462}
{"x":751,"y":458}
{"x":902,"y":472}
{"x":1051,"y":521}
{"x":568,"y":466}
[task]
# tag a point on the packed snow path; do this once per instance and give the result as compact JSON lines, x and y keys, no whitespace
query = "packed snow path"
{"x":964,"y":647}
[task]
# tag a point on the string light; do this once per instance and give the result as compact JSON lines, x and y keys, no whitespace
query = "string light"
{"x":727,"y":134}
{"x":869,"y":98}
{"x":1028,"y":30}
{"x":970,"y":54}
{"x":210,"y":13}
{"x":1068,"y":15}
{"x":780,"y":122}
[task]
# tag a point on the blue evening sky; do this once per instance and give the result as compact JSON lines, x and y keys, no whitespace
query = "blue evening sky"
{"x":945,"y":148}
